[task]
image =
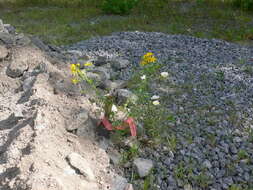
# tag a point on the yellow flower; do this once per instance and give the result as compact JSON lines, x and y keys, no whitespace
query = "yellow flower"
{"x":73,"y":69}
{"x":75,"y":81}
{"x":148,"y":58}
{"x":156,"y":102}
{"x":152,"y":59}
{"x":87,"y":64}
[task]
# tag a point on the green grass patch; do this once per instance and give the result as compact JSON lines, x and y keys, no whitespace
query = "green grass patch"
{"x":64,"y":22}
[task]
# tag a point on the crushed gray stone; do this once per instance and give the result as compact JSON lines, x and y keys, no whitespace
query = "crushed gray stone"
{"x":210,"y":95}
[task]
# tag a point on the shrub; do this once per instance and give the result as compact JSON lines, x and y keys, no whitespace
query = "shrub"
{"x":244,"y":4}
{"x":118,"y":6}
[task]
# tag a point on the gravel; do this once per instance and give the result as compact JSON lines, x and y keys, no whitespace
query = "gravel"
{"x":210,"y":93}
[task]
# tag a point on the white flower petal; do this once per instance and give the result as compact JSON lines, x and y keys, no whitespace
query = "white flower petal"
{"x":143,"y":77}
{"x":164,"y":74}
{"x":155,"y":97}
{"x":114,"y":108}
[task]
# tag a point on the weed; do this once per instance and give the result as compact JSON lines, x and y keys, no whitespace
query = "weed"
{"x":244,"y":4}
{"x":149,"y":182}
{"x":248,"y":69}
{"x":172,"y":142}
{"x":202,"y":180}
{"x":220,"y":75}
{"x":242,"y":154}
{"x":180,"y":171}
{"x":130,"y":154}
{"x":235,"y":187}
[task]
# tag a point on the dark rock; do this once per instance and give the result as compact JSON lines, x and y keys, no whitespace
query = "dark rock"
{"x":101,"y":60}
{"x":28,"y":83}
{"x":10,"y":28}
{"x":6,"y":38}
{"x":25,"y":96}
{"x":10,"y":122}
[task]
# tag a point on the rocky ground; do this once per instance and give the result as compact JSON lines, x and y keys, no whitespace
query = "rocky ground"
{"x":48,"y":136}
{"x":209,"y":95}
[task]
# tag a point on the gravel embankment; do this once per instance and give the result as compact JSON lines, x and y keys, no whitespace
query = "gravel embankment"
{"x":211,"y":97}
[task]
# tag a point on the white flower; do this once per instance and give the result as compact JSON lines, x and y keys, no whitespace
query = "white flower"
{"x":164,"y":74}
{"x":143,"y":77}
{"x":155,"y":97}
{"x":156,"y":102}
{"x":114,"y":108}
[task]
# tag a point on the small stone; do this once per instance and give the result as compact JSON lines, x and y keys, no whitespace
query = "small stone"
{"x":233,"y":149}
{"x":10,"y":28}
{"x":95,"y":77}
{"x":144,"y":166}
{"x":124,"y":95}
{"x":119,"y":63}
{"x":246,"y":176}
{"x":129,"y":187}
{"x":81,"y":165}
{"x":207,"y":164}
{"x":167,"y":161}
{"x":119,"y":182}
{"x":114,"y":156}
{"x":112,"y":85}
{"x":104,"y":73}
{"x":28,"y":83}
{"x":3,"y":52}
{"x":237,"y":139}
{"x":188,"y":187}
{"x":228,"y":181}
{"x":104,"y":143}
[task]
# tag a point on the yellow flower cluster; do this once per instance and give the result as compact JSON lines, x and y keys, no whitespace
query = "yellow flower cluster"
{"x":88,"y":64}
{"x":148,"y":58}
{"x":79,"y":74}
{"x":75,"y":70}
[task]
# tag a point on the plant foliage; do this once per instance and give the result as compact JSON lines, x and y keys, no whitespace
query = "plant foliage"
{"x":244,"y":4}
{"x":118,"y":6}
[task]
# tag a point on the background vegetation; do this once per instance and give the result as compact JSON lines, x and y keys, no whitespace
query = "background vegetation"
{"x":62,"y":21}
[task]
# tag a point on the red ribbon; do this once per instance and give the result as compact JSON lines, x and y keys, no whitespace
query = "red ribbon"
{"x":129,"y":122}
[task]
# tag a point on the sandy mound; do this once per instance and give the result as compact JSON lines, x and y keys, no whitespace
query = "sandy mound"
{"x":37,"y":104}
